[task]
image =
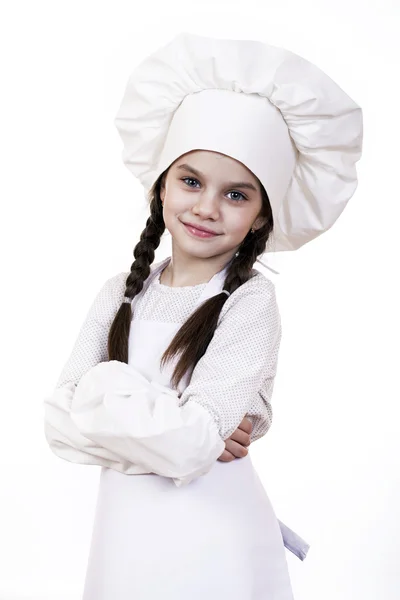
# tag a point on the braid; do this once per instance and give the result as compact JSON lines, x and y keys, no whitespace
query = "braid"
{"x":144,"y":253}
{"x":240,"y":268}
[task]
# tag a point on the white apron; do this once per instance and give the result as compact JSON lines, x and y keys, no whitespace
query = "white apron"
{"x":217,"y":537}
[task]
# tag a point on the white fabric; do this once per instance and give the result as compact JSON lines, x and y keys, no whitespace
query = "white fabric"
{"x":274,"y":111}
{"x":217,"y":538}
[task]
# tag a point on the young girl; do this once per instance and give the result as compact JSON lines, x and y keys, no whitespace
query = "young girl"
{"x":240,"y":147}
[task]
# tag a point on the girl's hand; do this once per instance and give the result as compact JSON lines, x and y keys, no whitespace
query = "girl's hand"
{"x":236,"y":444}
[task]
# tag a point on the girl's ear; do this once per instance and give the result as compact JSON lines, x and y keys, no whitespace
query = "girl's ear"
{"x":259,"y":222}
{"x":162,"y":188}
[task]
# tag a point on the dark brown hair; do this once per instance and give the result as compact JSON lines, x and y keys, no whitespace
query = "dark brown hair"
{"x":193,"y":337}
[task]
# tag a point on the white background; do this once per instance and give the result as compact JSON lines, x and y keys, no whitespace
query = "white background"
{"x":70,"y":220}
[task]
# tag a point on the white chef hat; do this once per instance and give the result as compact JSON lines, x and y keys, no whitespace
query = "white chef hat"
{"x":270,"y":109}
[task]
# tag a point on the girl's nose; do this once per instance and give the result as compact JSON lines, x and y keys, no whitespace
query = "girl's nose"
{"x":207,"y":205}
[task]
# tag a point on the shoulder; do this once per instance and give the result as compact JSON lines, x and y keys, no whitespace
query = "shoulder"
{"x":109,"y":298}
{"x":253,"y":300}
{"x":114,"y":287}
{"x":258,"y":284}
{"x":258,"y":287}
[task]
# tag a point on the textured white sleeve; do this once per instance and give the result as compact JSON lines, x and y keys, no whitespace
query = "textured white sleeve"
{"x":261,"y":413}
{"x":89,"y":349}
{"x":237,"y":373}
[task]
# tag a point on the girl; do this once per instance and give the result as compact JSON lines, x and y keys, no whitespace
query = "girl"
{"x":239,"y":146}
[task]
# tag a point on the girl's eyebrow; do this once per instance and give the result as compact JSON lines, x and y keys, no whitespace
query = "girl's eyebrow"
{"x":241,"y":184}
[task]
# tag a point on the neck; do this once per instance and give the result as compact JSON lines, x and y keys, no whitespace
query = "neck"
{"x":181,"y":274}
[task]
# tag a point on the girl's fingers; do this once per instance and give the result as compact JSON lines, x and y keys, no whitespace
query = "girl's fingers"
{"x":226,"y":456}
{"x":246,"y":425}
{"x":236,"y":444}
{"x":241,"y":437}
{"x":238,"y":450}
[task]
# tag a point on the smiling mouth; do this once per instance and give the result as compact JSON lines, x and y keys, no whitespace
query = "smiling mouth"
{"x":198,"y":232}
{"x":193,"y":226}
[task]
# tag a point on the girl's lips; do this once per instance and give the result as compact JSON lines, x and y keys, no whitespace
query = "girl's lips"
{"x":198,"y":232}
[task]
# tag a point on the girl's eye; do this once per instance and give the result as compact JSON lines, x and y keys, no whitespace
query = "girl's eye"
{"x":241,"y":199}
{"x":190,"y":179}
{"x":242,"y":196}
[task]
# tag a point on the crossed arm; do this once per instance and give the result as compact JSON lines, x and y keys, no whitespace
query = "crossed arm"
{"x":209,"y":425}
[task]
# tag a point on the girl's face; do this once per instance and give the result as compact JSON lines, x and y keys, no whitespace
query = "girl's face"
{"x":214,"y":191}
